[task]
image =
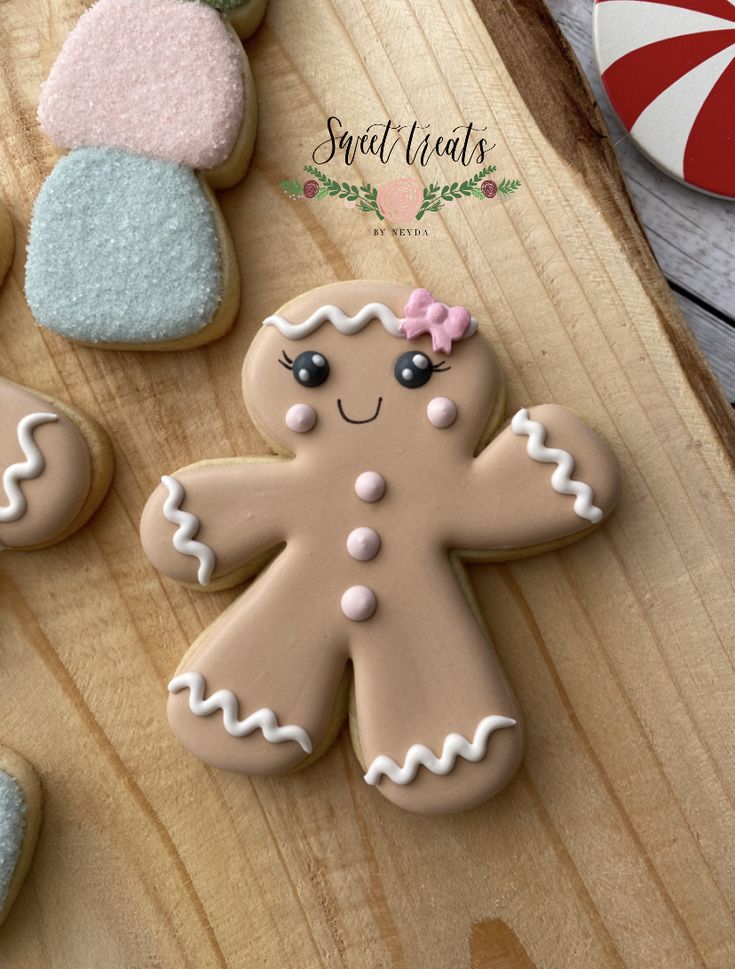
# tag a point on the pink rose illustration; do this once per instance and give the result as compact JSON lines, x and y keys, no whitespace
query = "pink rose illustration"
{"x":311,"y":188}
{"x":400,"y":201}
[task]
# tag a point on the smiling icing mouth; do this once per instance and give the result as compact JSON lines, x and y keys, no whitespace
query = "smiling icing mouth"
{"x":350,"y":420}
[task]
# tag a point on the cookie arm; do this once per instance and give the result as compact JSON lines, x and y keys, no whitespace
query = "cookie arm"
{"x":216,"y":523}
{"x":545,"y":478}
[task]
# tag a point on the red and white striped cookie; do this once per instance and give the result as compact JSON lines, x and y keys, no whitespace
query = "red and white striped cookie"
{"x":668,"y":67}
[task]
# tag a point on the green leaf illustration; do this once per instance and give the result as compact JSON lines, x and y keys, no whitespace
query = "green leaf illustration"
{"x":508,"y":186}
{"x":292,"y":186}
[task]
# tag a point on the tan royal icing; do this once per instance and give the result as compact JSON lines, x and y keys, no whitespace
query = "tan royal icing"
{"x":44,"y":466}
{"x":427,"y":682}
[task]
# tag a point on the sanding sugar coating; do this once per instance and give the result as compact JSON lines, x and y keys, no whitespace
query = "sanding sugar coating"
{"x":12,"y":828}
{"x":123,"y":249}
{"x":160,"y":77}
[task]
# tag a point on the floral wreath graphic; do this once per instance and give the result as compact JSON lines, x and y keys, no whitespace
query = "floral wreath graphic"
{"x":403,"y":200}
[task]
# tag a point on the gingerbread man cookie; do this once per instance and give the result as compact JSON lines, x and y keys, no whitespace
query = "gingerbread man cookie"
{"x":381,"y":404}
{"x":156,"y":102}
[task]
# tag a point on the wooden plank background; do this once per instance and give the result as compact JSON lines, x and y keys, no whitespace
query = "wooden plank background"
{"x":692,"y":234}
{"x":614,"y":845}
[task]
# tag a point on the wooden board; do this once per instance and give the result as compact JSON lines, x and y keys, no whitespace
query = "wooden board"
{"x":692,"y":234}
{"x":614,"y":845}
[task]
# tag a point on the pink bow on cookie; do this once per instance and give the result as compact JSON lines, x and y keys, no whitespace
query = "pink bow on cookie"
{"x":446,"y":324}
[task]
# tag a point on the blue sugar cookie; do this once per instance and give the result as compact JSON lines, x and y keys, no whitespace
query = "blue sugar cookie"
{"x":20,"y":820}
{"x":12,"y":831}
{"x":124,"y":249}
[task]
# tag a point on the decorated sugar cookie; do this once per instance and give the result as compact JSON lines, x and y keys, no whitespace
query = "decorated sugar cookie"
{"x":55,"y":468}
{"x":20,"y":821}
{"x":381,"y":405}
{"x":7,"y":242}
{"x":155,"y":101}
{"x":668,"y":67}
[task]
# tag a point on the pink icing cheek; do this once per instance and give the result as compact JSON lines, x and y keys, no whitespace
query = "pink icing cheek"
{"x":359,"y":603}
{"x":442,"y":412}
{"x":300,"y":418}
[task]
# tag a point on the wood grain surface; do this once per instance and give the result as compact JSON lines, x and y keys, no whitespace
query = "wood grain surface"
{"x":614,"y":846}
{"x":692,"y":234}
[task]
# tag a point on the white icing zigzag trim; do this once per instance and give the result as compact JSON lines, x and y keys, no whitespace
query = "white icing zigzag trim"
{"x":188,"y":527}
{"x":561,"y":479}
{"x":226,"y":701}
{"x":32,"y":467}
{"x":347,"y":325}
{"x":455,"y":745}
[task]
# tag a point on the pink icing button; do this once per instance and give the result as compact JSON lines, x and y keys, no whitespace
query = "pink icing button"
{"x":370,"y":486}
{"x":300,"y":418}
{"x":359,"y":603}
{"x":442,"y":412}
{"x":363,"y":544}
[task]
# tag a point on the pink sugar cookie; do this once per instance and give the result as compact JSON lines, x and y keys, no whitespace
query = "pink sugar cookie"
{"x":161,"y":78}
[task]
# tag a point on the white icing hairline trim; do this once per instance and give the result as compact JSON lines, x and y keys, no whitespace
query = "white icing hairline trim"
{"x":454,"y":746}
{"x":347,"y":325}
{"x":264,"y":719}
{"x":561,"y":479}
{"x":188,"y":527}
{"x":32,"y":467}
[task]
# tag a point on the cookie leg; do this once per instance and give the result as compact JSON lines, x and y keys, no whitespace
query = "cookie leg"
{"x":259,"y":692}
{"x":433,"y":720}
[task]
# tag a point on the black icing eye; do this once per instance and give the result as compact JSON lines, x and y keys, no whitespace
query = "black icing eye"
{"x":413,"y":369}
{"x":310,"y":369}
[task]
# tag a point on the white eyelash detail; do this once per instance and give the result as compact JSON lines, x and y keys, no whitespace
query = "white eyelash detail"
{"x":347,"y":325}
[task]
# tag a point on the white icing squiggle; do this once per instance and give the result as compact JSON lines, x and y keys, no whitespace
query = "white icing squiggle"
{"x":226,"y":701}
{"x":455,"y":745}
{"x":561,"y":479}
{"x":188,"y":527}
{"x":347,"y":325}
{"x":32,"y":467}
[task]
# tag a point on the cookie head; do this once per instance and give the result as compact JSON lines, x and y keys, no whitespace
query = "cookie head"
{"x":371,"y":365}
